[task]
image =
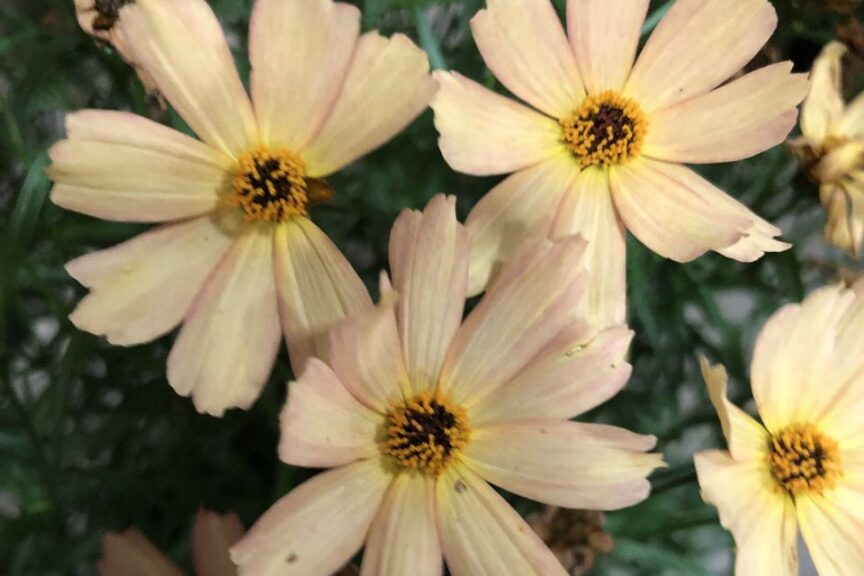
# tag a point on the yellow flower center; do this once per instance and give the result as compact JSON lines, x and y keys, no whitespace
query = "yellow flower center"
{"x":804,"y":460}
{"x":606,"y":129}
{"x":272,"y":186}
{"x":425,"y":433}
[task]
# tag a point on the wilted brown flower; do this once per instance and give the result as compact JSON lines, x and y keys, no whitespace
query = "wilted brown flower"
{"x":576,"y":537}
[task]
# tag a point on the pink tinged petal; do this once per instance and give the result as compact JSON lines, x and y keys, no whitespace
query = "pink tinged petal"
{"x":733,"y":122}
{"x":130,"y":553}
{"x":212,"y":536}
{"x":521,"y":207}
{"x":587,"y":209}
{"x":680,"y":215}
{"x":570,"y":464}
{"x":366,"y":355}
{"x":698,"y":45}
{"x":524,"y":45}
{"x":823,"y":109}
{"x":299,"y":52}
{"x":481,"y":535}
{"x":323,"y":425}
{"x":142,"y":289}
{"x":535,"y":296}
{"x":833,"y":529}
{"x":182,"y":46}
{"x":747,"y":439}
{"x":318,"y":526}
{"x":604,"y":35}
{"x":226,"y":348}
{"x":760,"y":517}
{"x":429,"y":261}
{"x":575,"y":372}
{"x":403,"y":538}
{"x":316,"y":288}
{"x":484,"y":133}
{"x":387,"y":86}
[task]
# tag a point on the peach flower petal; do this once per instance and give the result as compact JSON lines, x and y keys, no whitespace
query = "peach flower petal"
{"x":130,"y":553}
{"x":299,"y":52}
{"x":524,"y":45}
{"x":604,"y":35}
{"x":142,"y":288}
{"x":182,"y":46}
{"x":577,"y":371}
{"x":318,"y":526}
{"x":228,"y":344}
{"x":403,"y":538}
{"x":832,"y":526}
{"x":515,"y":320}
{"x":823,"y":109}
{"x":521,"y":207}
{"x":587,"y":209}
{"x":484,"y":133}
{"x":322,"y":424}
{"x":761,"y":518}
{"x":387,"y":86}
{"x":733,"y":122}
{"x":481,"y":535}
{"x":570,"y":464}
{"x":212,"y":536}
{"x":698,"y":45}
{"x":316,"y":287}
{"x":429,"y":262}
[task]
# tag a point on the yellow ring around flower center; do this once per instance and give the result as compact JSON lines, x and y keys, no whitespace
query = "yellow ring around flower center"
{"x":606,"y":129}
{"x":802,"y":460}
{"x":425,"y":432}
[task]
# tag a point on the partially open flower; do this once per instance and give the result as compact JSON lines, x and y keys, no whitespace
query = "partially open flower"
{"x":418,"y":412}
{"x":237,"y":252}
{"x":576,"y":537}
{"x":831,"y":149}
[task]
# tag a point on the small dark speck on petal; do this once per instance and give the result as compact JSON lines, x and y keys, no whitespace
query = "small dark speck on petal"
{"x":291,"y":558}
{"x":460,"y":487}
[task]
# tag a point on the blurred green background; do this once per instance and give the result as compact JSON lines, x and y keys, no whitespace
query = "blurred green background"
{"x":91,"y":436}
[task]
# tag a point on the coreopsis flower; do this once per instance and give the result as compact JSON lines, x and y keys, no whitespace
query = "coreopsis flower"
{"x":238,"y":251}
{"x":803,"y":466}
{"x":599,"y":149}
{"x":130,"y":553}
{"x":576,"y":537}
{"x":831,"y":149}
{"x":417,"y":414}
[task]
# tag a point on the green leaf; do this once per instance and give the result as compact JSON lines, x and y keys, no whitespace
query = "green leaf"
{"x":31,"y":198}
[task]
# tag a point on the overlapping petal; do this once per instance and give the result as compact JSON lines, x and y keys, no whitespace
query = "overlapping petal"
{"x":832,"y":525}
{"x":212,"y":536}
{"x":131,"y":554}
{"x":823,"y":108}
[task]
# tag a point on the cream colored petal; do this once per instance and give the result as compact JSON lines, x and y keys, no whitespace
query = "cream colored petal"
{"x":299,"y":52}
{"x":522,"y":206}
{"x":387,"y":86}
{"x":587,"y":209}
{"x":680,"y":215}
{"x":133,"y":182}
{"x":484,"y":133}
{"x":481,"y":535}
{"x":761,"y":518}
{"x":840,"y":162}
{"x":823,"y":109}
{"x":322,"y":424}
{"x":698,"y":45}
{"x":536,"y":295}
{"x":747,"y":438}
{"x":577,"y":371}
{"x":226,"y":348}
{"x":182,"y":46}
{"x":569,"y":464}
{"x":403,"y":538}
{"x":429,"y":262}
{"x":733,"y":122}
{"x":316,"y":287}
{"x":212,"y":536}
{"x":833,"y":529}
{"x":366,"y":355}
{"x":524,"y":45}
{"x":142,"y":289}
{"x":793,"y":355}
{"x":852,"y":121}
{"x":604,"y":35}
{"x":318,"y":526}
{"x":130,"y":553}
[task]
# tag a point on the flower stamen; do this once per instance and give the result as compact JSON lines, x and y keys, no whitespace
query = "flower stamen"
{"x":802,"y":460}
{"x":606,"y":129}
